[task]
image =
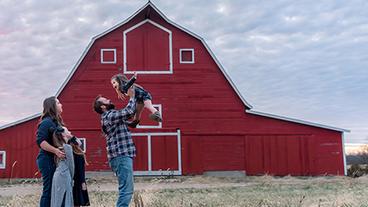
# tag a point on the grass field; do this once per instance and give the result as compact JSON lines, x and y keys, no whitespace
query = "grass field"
{"x":210,"y":191}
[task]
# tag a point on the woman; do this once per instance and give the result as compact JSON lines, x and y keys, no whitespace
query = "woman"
{"x":50,"y":119}
{"x":62,"y":182}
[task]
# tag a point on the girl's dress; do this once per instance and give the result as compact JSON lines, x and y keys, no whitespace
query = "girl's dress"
{"x":62,"y":182}
{"x":80,"y":196}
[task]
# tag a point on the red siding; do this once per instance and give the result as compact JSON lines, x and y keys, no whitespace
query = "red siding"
{"x":19,"y":142}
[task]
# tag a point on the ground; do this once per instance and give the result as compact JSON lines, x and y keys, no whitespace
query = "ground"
{"x":209,"y":191}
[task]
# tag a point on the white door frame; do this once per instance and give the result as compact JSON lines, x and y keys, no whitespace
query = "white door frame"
{"x":160,"y":172}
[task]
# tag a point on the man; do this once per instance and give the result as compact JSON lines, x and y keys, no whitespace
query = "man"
{"x":120,"y":146}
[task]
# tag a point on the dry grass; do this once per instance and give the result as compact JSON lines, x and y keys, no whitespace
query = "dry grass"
{"x":212,"y":191}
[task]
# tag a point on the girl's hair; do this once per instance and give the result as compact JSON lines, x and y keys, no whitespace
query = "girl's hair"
{"x":77,"y":150}
{"x":58,"y":140}
{"x":49,"y":109}
{"x":122,"y":79}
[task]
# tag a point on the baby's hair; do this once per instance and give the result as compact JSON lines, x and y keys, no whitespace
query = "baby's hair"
{"x":122,"y":79}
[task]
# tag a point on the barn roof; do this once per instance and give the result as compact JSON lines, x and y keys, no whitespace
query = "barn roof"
{"x":151,"y":5}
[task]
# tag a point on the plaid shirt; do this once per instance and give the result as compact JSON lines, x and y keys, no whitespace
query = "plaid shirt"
{"x":118,"y":138}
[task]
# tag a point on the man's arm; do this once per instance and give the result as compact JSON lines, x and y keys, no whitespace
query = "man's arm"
{"x":125,"y":113}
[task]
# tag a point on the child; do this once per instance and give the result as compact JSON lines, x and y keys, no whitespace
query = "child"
{"x":80,"y":193}
{"x":143,"y":97}
{"x":62,"y":182}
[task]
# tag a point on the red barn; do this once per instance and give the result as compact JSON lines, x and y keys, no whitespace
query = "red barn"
{"x":208,"y":125}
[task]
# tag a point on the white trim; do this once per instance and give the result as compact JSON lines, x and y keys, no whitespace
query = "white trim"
{"x":84,"y":144}
{"x":179,"y":150}
{"x":149,"y":3}
{"x":296,"y":121}
{"x":149,"y":143}
{"x":343,"y":153}
{"x":170,"y":71}
{"x":3,"y":161}
{"x":159,"y":126}
{"x":183,"y":50}
{"x":20,"y":121}
{"x":102,"y":55}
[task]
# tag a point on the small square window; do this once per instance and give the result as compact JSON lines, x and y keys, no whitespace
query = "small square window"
{"x":186,"y":55}
{"x":83,"y":146}
{"x":108,"y":56}
{"x":2,"y":159}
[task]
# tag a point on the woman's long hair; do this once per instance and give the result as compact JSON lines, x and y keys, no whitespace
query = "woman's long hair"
{"x":49,"y":109}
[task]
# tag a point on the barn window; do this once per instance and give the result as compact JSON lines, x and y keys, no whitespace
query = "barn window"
{"x":186,"y":55}
{"x":2,"y":159}
{"x":83,"y":147}
{"x":149,"y":124}
{"x":108,"y":56}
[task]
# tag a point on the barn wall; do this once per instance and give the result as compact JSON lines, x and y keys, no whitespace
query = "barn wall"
{"x":19,"y":142}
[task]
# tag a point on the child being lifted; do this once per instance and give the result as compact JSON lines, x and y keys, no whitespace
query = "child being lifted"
{"x":143,"y":98}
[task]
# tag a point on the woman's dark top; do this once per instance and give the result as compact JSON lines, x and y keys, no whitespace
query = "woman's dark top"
{"x":44,"y":133}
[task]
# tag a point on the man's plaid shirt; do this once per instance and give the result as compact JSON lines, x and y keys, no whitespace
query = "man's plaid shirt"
{"x":118,"y":138}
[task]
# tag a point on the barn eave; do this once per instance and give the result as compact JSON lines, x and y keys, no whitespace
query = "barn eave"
{"x":296,"y":121}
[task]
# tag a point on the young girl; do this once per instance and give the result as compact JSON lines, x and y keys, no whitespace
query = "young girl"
{"x":80,"y":193}
{"x":143,"y":98}
{"x":62,"y":182}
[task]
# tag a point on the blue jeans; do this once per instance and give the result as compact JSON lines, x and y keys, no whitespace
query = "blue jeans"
{"x":123,"y":168}
{"x":47,"y":167}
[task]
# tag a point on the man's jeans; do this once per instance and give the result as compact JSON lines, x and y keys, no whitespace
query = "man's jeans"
{"x":123,"y":168}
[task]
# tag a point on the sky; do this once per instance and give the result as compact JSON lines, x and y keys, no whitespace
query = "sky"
{"x":300,"y":59}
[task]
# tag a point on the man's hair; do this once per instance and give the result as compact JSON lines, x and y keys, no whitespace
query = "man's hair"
{"x":97,"y":105}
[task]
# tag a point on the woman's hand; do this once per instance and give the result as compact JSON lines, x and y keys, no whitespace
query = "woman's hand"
{"x":60,"y":154}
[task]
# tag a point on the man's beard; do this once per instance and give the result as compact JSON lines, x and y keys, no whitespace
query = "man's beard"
{"x":109,"y":106}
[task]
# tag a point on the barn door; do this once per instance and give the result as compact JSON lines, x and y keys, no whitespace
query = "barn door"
{"x":158,"y":153}
{"x":147,"y":49}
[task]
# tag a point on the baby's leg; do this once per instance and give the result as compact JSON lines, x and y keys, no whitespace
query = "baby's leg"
{"x":148,"y":105}
{"x":155,"y":115}
{"x":139,"y":108}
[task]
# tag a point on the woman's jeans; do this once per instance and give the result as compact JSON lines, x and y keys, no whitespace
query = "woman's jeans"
{"x":123,"y":168}
{"x":47,"y":167}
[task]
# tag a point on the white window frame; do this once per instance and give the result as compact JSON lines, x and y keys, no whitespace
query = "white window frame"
{"x":159,"y":126}
{"x":108,"y":50}
{"x":150,"y":136}
{"x":126,"y":71}
{"x":183,"y":50}
{"x":84,"y":144}
{"x":3,"y":161}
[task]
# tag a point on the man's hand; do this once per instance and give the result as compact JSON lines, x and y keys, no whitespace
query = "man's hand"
{"x":131,"y":92}
{"x":135,"y":74}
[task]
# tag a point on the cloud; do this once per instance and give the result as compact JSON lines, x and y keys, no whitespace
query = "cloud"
{"x":292,"y":58}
